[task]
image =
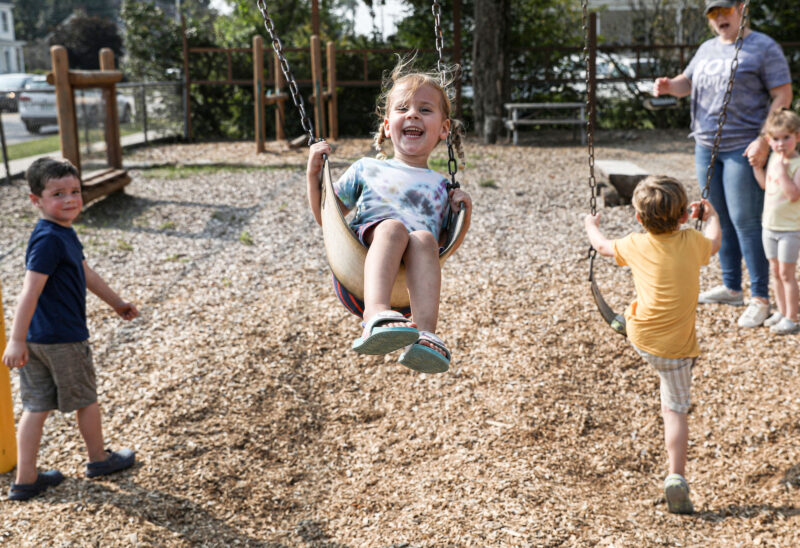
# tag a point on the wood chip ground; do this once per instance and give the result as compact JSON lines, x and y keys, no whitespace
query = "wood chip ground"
{"x":254,"y":424}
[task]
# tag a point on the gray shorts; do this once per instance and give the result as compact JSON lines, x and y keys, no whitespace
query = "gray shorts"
{"x":676,"y":379}
{"x":58,"y":376}
{"x":783,"y":246}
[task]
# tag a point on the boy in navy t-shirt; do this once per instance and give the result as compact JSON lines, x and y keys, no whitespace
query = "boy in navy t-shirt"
{"x":49,"y":339}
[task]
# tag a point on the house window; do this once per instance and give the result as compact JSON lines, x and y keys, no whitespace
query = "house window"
{"x":4,"y":21}
{"x":7,"y":55}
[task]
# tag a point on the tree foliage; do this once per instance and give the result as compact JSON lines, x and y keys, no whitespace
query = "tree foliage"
{"x":84,"y":36}
{"x":35,"y":18}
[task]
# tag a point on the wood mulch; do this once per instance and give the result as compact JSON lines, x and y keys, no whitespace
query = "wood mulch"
{"x":254,"y":424}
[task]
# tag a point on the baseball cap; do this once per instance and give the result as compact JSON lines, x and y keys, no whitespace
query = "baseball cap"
{"x":720,"y":4}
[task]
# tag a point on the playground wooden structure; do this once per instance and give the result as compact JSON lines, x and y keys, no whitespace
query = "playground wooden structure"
{"x":99,"y":183}
{"x":324,"y":100}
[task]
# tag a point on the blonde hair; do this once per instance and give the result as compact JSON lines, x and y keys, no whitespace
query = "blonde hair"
{"x":660,"y":202}
{"x":405,"y":74}
{"x":784,"y":119}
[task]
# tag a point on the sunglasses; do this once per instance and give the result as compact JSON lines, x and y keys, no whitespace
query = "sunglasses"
{"x":714,"y":12}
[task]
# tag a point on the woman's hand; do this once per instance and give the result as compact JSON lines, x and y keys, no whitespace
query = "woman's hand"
{"x":757,"y":152}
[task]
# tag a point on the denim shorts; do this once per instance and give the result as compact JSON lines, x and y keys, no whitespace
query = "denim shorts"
{"x":676,"y":379}
{"x":58,"y":376}
{"x":783,"y":246}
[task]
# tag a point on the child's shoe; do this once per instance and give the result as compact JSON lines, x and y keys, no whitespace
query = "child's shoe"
{"x":785,"y":327}
{"x":25,"y":491}
{"x":721,"y":295}
{"x":676,"y":491}
{"x":754,"y":315}
{"x":772,"y":320}
{"x":116,"y":461}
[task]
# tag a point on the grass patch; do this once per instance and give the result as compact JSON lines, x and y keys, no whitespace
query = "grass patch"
{"x":122,"y":245}
{"x":52,"y":143}
{"x":169,"y":225}
{"x":245,"y":238}
{"x":487,"y":183}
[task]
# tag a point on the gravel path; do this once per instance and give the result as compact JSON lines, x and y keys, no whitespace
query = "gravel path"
{"x":255,"y":425}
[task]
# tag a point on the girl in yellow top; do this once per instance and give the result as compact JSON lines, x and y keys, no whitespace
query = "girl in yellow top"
{"x":665,"y":262}
{"x":781,"y":219}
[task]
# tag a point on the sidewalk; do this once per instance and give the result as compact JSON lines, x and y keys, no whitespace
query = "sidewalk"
{"x":18,"y":167}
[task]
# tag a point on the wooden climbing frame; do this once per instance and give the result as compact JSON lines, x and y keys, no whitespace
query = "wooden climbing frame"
{"x":99,"y":183}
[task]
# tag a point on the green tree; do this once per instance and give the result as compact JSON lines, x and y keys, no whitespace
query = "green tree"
{"x":84,"y":36}
{"x":35,"y":18}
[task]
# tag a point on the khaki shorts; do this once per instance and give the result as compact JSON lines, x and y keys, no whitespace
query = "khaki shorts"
{"x":58,"y":376}
{"x":676,"y":379}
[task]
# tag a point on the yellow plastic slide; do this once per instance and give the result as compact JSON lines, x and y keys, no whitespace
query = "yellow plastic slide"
{"x":8,"y":436}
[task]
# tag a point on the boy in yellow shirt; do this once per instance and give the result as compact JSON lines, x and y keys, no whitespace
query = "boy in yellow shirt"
{"x":665,"y":262}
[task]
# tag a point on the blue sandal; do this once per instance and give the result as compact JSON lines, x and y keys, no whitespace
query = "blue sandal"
{"x":425,"y":359}
{"x":381,"y":340}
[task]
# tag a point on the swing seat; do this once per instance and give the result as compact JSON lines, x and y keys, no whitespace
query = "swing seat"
{"x":346,"y":254}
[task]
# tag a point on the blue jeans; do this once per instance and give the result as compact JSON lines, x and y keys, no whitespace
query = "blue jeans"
{"x":739,"y":200}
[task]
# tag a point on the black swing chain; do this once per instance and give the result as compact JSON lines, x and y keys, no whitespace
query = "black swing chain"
{"x":452,"y":165}
{"x":589,"y":128}
{"x":297,"y":99}
{"x":723,"y":115}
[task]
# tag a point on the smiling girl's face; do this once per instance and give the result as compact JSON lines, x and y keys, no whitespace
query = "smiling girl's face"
{"x":415,"y":122}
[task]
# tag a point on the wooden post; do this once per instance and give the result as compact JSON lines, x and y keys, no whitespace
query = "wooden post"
{"x":280,"y":113}
{"x":65,"y":105}
{"x":113,"y":143}
{"x":258,"y":91}
{"x":316,"y":79}
{"x":333,"y":103}
{"x":315,"y":17}
{"x":457,"y":53}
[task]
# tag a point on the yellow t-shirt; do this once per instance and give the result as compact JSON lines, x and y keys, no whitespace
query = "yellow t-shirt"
{"x":780,"y":215}
{"x":666,"y":273}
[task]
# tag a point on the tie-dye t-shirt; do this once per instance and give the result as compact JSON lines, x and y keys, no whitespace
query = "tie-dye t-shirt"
{"x":390,"y":189}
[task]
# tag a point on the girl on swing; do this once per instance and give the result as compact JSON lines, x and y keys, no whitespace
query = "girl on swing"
{"x":401,"y":205}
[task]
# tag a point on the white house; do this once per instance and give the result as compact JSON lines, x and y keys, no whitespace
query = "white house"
{"x":627,"y":21}
{"x":11,"y":57}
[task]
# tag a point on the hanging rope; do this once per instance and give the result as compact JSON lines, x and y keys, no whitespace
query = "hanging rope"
{"x":723,"y":115}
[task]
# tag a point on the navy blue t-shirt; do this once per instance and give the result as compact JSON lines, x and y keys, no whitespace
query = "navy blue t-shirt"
{"x":60,"y":315}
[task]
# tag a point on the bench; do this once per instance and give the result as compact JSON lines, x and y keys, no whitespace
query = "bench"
{"x":518,"y":116}
{"x":622,"y":176}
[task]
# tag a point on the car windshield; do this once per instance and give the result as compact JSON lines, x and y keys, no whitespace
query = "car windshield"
{"x":13,"y":81}
{"x":38,"y":84}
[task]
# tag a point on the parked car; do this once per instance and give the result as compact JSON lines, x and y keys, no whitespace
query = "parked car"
{"x":10,"y":86}
{"x":633,"y":78}
{"x":37,"y":105}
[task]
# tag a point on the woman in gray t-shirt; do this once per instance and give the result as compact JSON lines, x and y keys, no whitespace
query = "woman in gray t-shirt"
{"x":762,"y":84}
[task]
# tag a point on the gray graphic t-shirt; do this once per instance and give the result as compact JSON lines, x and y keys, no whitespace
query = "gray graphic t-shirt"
{"x":762,"y":66}
{"x":390,"y":189}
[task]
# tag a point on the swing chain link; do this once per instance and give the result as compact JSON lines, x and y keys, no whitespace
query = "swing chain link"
{"x":452,"y":164}
{"x":589,"y":127}
{"x":723,"y":115}
{"x":297,"y":99}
